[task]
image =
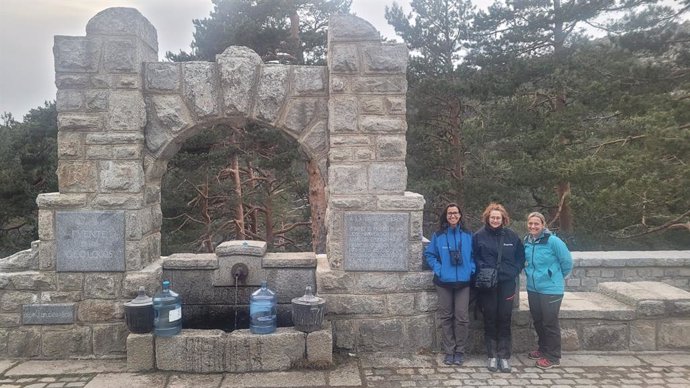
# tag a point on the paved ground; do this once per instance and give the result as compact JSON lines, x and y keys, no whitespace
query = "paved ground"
{"x":649,"y":369}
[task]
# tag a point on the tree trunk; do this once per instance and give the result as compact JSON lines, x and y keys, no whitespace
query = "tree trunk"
{"x":317,"y":202}
{"x":239,"y":208}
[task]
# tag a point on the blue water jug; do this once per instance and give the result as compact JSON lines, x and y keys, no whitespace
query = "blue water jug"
{"x":262,"y":311}
{"x":167,"y":312}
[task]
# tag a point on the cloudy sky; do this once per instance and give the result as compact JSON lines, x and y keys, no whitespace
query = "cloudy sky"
{"x":27,"y":28}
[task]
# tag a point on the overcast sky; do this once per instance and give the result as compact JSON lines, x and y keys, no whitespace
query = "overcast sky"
{"x":27,"y":28}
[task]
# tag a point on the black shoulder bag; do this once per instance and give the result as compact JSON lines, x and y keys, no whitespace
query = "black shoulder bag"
{"x":487,"y":277}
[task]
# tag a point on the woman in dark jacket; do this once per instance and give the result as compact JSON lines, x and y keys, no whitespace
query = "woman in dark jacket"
{"x":449,"y":255}
{"x":497,"y":303}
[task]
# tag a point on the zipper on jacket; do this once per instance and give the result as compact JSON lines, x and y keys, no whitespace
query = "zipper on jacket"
{"x":534,"y":245}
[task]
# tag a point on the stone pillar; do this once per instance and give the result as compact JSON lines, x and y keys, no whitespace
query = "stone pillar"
{"x":374,"y":248}
{"x":101,"y":119}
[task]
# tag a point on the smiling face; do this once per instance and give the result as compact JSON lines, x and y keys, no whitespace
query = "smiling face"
{"x":453,"y":216}
{"x":535,"y":226}
{"x":495,"y":219}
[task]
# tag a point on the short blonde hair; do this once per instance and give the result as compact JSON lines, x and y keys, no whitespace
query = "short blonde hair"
{"x":498,"y":207}
{"x":538,"y":215}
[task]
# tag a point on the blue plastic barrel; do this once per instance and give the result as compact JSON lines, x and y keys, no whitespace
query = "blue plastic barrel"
{"x":167,"y":312}
{"x":262,"y":311}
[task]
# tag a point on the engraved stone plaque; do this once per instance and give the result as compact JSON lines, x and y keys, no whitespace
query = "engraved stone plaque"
{"x":90,"y":241}
{"x":376,"y":241}
{"x":47,"y":314}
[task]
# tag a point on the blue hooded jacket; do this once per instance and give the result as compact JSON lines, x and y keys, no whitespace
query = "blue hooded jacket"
{"x":437,"y":255}
{"x":548,"y":262}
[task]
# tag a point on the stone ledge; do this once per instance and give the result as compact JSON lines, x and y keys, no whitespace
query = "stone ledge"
{"x":649,"y":298}
{"x":631,"y":259}
{"x":289,"y":260}
{"x":191,"y":261}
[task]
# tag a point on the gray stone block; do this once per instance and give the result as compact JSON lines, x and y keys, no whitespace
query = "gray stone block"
{"x":126,"y":111}
{"x":605,"y":337}
{"x":22,"y":260}
{"x":302,"y":113}
{"x":97,"y":310}
{"x":123,"y":21}
{"x":400,"y":304}
{"x":200,"y":85}
{"x":121,"y":176}
{"x":350,"y":28}
{"x":199,"y":351}
{"x":110,"y":339}
{"x":241,"y":247}
{"x":224,"y":277}
{"x":140,"y":352}
{"x":74,"y":341}
{"x":320,"y":346}
{"x":375,"y":85}
{"x":344,"y":59}
{"x":12,"y":301}
{"x":102,"y":285}
{"x":238,"y":67}
{"x":347,"y":304}
{"x":77,"y":176}
{"x":570,"y":340}
{"x":674,"y":334}
{"x":24,"y":342}
{"x":162,"y":76}
{"x":419,"y":332}
{"x":316,"y":141}
{"x":33,"y":280}
{"x":90,"y":241}
{"x":347,"y":180}
{"x":643,"y":335}
{"x":387,"y":178}
{"x":385,"y":58}
{"x":246,"y":352}
{"x":381,"y":335}
{"x":289,"y":284}
{"x":271,"y":92}
{"x":289,"y":260}
{"x":168,"y":114}
{"x":391,"y":148}
{"x":191,"y":261}
{"x":75,"y":54}
{"x":310,"y":80}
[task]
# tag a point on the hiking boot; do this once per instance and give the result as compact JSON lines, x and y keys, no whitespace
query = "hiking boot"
{"x":545,"y":363}
{"x":535,"y":355}
{"x":458,"y":359}
{"x":448,"y":359}
{"x":504,"y":365}
{"x":492,"y":365}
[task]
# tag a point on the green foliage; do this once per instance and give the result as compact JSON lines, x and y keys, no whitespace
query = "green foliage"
{"x":536,"y":104}
{"x":265,"y":27}
{"x":28,"y":160}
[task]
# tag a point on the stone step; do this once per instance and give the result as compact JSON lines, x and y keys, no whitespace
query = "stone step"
{"x":588,"y":305}
{"x":650,"y":298}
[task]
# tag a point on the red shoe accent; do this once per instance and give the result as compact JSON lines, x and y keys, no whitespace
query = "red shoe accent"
{"x":545,"y":363}
{"x":535,"y":355}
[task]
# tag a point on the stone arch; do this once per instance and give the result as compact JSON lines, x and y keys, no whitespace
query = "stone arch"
{"x":184,"y":98}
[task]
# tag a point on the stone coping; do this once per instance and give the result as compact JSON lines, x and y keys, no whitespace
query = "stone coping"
{"x":588,"y":305}
{"x":631,"y":258}
{"x":289,"y":260}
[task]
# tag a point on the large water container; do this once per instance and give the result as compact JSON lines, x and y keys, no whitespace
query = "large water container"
{"x":262,"y":311}
{"x":167,"y":309}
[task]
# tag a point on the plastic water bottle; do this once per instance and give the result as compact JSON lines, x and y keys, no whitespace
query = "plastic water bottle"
{"x":167,"y":312}
{"x":262,"y":311}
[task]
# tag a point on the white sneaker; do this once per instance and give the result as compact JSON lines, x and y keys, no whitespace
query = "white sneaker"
{"x":492,"y":365}
{"x":504,"y":365}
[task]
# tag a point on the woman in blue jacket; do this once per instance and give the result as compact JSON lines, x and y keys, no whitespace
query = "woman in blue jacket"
{"x":449,"y":255}
{"x":548,"y":262}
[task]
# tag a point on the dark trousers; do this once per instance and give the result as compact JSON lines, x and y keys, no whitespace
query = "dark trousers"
{"x":544,"y":309}
{"x":497,"y":307}
{"x":453,"y":306}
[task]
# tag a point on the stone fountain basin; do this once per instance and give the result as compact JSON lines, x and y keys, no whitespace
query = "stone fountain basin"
{"x":211,"y":351}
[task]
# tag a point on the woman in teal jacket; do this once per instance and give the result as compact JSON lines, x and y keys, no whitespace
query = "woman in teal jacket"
{"x":449,"y":255}
{"x":548,"y":262}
